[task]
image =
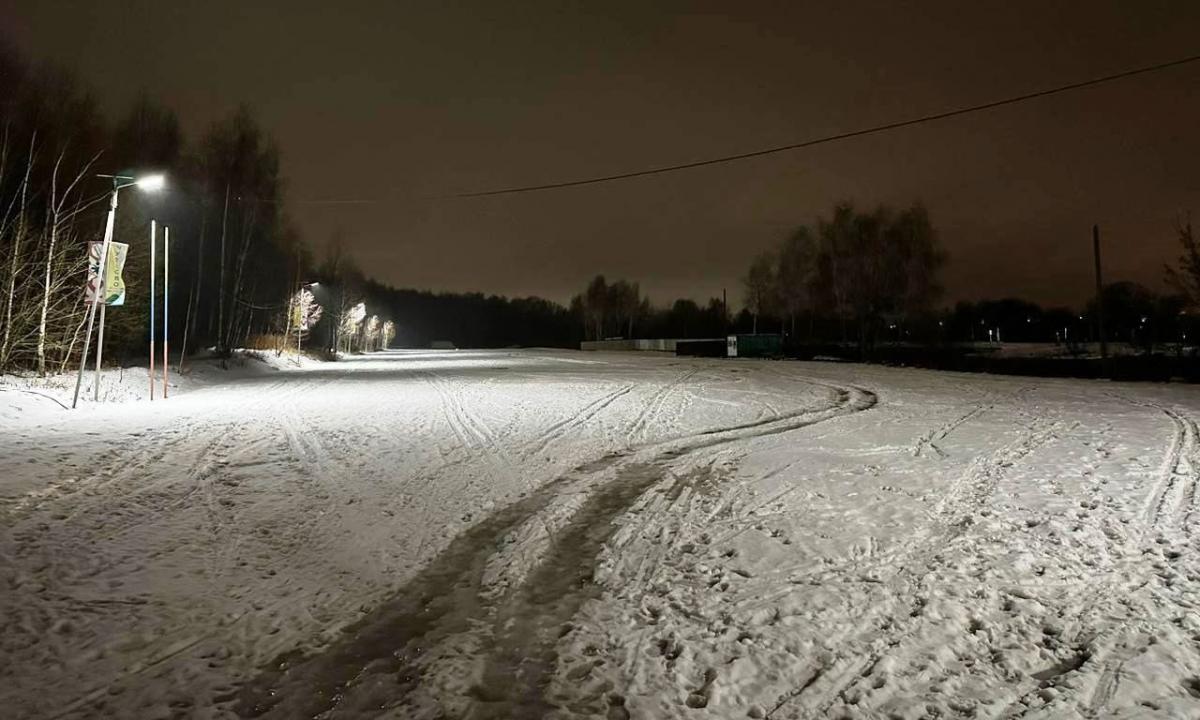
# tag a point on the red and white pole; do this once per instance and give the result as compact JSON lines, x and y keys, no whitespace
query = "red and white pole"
{"x":166,"y":301}
{"x":153,"y":268}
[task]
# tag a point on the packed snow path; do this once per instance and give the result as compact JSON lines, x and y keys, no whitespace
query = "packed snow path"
{"x":546,"y":534}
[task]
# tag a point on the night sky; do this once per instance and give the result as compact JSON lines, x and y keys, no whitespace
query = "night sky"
{"x":403,"y":104}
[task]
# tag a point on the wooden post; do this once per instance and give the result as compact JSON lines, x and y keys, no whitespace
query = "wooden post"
{"x":1099,"y":293}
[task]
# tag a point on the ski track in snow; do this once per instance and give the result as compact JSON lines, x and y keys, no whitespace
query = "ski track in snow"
{"x":584,"y":415}
{"x":515,"y":534}
{"x":1173,"y":503}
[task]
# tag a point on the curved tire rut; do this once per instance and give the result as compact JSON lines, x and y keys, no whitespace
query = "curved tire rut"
{"x":388,"y":658}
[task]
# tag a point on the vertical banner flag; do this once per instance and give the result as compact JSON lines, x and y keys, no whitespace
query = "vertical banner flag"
{"x":114,"y":284}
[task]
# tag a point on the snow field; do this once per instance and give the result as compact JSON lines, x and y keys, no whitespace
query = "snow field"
{"x":526,"y":534}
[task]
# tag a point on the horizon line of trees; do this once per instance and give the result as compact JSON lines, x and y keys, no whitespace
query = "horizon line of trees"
{"x":865,"y":277}
{"x":238,"y":264}
{"x":237,"y":261}
{"x":233,"y":250}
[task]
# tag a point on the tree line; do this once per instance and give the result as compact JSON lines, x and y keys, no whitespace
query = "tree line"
{"x":858,"y":273}
{"x":863,"y":277}
{"x":237,"y":262}
{"x":855,"y":272}
{"x":241,"y":275}
{"x":239,"y":267}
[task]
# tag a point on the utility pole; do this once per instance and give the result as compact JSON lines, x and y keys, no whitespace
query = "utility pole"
{"x":1099,"y":294}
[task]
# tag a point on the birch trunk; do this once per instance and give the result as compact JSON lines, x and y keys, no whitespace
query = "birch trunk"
{"x":221,"y":349}
{"x":197,"y":282}
{"x":5,"y":348}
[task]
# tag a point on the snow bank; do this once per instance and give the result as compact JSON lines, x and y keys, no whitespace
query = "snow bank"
{"x":27,"y":396}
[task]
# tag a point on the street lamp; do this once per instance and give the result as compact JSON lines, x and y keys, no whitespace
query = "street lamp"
{"x":149,"y":183}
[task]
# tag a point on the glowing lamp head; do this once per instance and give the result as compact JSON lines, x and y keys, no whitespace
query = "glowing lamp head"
{"x":151,"y":183}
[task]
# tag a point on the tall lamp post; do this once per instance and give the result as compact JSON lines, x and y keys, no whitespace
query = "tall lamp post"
{"x":149,"y":183}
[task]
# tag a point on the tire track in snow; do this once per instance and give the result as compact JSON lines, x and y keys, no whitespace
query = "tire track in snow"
{"x":1174,"y":499}
{"x":447,"y":598}
{"x":1172,"y":504}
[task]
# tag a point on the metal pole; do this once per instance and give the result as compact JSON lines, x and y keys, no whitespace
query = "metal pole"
{"x":1099,"y":293}
{"x":166,"y":301}
{"x":99,"y":351}
{"x":108,"y":231}
{"x":153,"y":233}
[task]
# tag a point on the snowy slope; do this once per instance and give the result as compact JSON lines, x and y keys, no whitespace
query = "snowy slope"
{"x":526,"y":534}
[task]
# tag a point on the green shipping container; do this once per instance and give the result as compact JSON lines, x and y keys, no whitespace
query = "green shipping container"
{"x":763,"y":345}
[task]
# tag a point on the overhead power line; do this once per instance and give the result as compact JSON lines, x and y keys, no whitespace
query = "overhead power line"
{"x":840,"y":136}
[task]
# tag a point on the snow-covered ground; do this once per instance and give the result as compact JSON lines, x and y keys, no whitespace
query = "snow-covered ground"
{"x":541,"y":533}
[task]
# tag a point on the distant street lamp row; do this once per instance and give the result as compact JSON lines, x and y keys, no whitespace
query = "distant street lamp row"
{"x":99,"y":295}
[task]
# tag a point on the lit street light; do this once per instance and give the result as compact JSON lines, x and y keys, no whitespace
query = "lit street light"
{"x":149,"y":183}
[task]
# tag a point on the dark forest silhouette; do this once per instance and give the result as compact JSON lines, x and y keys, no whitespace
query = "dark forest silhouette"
{"x":856,"y":277}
